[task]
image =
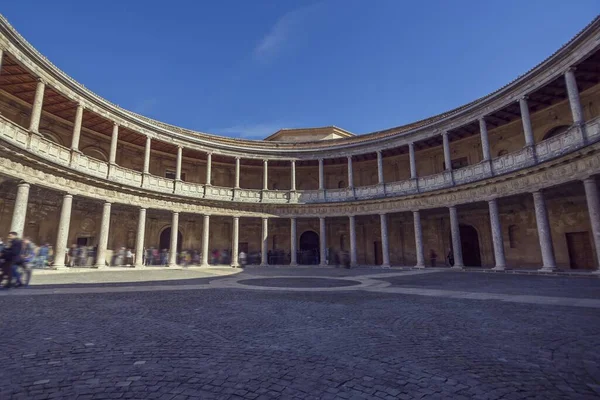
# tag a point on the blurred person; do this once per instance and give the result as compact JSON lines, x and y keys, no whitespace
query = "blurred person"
{"x":11,"y":254}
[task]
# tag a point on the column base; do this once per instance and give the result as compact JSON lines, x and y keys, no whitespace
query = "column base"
{"x":171,"y":265}
{"x":548,"y":269}
{"x":324,"y":265}
{"x":142,"y":266}
{"x":101,"y":266}
{"x":499,"y":268}
{"x":263,"y":265}
{"x":235,"y":266}
{"x":458,"y":267}
{"x":419,"y":266}
{"x":204,"y":265}
{"x":62,"y":267}
{"x":385,"y":266}
{"x":293,"y":265}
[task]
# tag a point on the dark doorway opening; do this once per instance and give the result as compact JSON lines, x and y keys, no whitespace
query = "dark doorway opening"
{"x":581,"y":255}
{"x":378,"y":253}
{"x":309,"y":248}
{"x":165,"y":239}
{"x":470,"y":246}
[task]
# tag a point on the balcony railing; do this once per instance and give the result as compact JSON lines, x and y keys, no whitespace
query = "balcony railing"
{"x":574,"y":138}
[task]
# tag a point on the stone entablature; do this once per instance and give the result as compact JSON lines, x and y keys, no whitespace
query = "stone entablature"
{"x":575,"y":138}
{"x":565,"y":159}
{"x":570,"y":54}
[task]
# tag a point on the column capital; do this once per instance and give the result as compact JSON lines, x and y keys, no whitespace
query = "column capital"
{"x":23,"y":184}
{"x":572,"y":68}
{"x":80,"y":105}
{"x":349,"y":158}
{"x":115,"y":123}
{"x":382,"y":214}
{"x":525,"y":97}
{"x":444,"y":133}
{"x":179,"y":147}
{"x":209,"y":153}
{"x":238,"y":158}
{"x":236,"y":217}
{"x":39,"y":79}
{"x":265,"y":161}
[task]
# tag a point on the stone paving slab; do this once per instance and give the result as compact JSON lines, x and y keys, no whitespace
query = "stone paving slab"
{"x":234,"y":344}
{"x":555,"y":286}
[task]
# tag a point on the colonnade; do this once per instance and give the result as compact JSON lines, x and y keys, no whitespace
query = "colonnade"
{"x":572,"y":92}
{"x":541,"y":217}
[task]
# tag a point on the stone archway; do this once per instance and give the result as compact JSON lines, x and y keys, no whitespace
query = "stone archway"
{"x":309,"y":248}
{"x":165,"y":239}
{"x":470,"y":246}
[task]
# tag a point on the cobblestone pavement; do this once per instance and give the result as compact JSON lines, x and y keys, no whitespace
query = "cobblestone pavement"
{"x":347,"y":343}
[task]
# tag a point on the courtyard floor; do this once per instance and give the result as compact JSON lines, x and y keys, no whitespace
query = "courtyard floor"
{"x":300,"y":333}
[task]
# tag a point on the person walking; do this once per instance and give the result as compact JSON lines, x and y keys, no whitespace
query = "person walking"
{"x":11,"y":254}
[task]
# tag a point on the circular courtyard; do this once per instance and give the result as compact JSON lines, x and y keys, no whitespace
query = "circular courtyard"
{"x":300,"y":333}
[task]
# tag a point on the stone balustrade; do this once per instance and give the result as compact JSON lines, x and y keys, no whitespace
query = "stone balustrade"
{"x":573,"y":139}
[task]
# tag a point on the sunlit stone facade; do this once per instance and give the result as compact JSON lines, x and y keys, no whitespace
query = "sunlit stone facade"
{"x":507,"y":181}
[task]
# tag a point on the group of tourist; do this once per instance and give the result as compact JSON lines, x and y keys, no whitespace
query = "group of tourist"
{"x":15,"y":256}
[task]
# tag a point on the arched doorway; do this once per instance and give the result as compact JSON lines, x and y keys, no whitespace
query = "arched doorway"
{"x":470,"y":246}
{"x":309,"y":248}
{"x":165,"y":239}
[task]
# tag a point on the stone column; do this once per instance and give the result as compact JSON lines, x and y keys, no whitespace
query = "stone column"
{"x":321,"y":175}
{"x":593,"y":203}
{"x":208,"y":169}
{"x":62,"y":236}
{"x":413,"y":161}
{"x":485,"y":142}
{"x":456,"y":243}
{"x":178,"y":165}
{"x":264,"y":242}
{"x":350,"y":173}
{"x":419,"y":240}
{"x":20,"y":210}
{"x":205,"y":231}
{"x":147,"y":155}
{"x":526,"y":120}
{"x":113,"y":144}
{"x":353,"y":256}
{"x":447,"y":156}
{"x":497,"y":236}
{"x":237,"y":173}
{"x":173,"y":246}
{"x":1,"y":56}
{"x":544,"y":234}
{"x":36,"y":111}
{"x":293,"y":183}
{"x":293,"y":258}
{"x":380,"y":168}
{"x":385,"y":244}
{"x":77,"y":128}
{"x":323,"y":242}
{"x":265,"y":174}
{"x":574,"y":101}
{"x":235,"y":247}
{"x":139,"y":240}
{"x":103,"y":240}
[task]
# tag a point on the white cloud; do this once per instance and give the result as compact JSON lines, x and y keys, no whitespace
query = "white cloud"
{"x":281,"y":32}
{"x":251,"y":131}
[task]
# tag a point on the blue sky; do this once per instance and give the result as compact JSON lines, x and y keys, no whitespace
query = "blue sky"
{"x":247,"y":68}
